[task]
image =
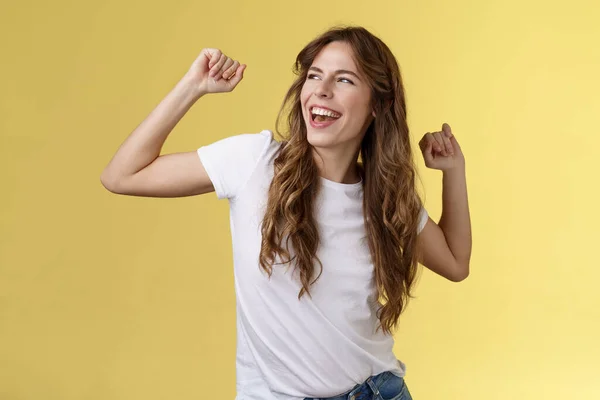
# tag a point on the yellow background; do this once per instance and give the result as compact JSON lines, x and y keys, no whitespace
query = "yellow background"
{"x":121,"y":298}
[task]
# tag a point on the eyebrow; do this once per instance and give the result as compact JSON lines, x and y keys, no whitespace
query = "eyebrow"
{"x":339,"y":71}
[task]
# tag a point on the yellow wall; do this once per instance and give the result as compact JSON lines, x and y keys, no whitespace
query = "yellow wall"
{"x":119,"y":298}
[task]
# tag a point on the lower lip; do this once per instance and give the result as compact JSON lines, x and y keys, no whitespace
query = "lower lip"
{"x":320,"y":125}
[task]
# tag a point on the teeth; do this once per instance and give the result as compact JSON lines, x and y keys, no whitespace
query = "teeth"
{"x":321,"y":111}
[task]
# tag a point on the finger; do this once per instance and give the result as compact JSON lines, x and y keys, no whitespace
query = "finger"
{"x":439,"y":138}
{"x":228,"y":62}
{"x":215,"y":55}
{"x":428,"y":152}
{"x":446,"y":143}
{"x":423,"y":142}
{"x":203,"y":59}
{"x":440,"y":141}
{"x":217,"y":66}
{"x":426,"y":141}
{"x":430,"y":139}
{"x":438,"y":144}
{"x":230,"y":71}
{"x":239,"y":75}
{"x":447,"y":130}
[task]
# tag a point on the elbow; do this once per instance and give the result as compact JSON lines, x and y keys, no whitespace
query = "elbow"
{"x":461,"y":272}
{"x":109,"y":184}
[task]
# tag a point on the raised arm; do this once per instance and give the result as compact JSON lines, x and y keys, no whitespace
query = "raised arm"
{"x":138,"y":169}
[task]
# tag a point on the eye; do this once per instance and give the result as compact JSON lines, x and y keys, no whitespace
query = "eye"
{"x":312,"y":76}
{"x":347,"y":80}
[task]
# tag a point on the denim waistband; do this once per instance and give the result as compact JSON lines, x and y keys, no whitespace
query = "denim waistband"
{"x":363,"y":390}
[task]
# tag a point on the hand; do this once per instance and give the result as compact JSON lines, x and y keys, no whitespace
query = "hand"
{"x":441,"y":150}
{"x":214,"y":72}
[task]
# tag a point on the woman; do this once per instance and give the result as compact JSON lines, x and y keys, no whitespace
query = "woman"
{"x":324,"y":224}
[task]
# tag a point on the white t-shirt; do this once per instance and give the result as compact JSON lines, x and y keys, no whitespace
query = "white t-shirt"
{"x":289,"y":348}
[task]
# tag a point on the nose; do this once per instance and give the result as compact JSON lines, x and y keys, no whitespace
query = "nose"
{"x":323,"y":90}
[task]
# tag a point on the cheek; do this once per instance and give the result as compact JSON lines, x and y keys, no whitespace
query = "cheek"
{"x":304,"y":94}
{"x":359,"y":108}
{"x":304,"y":98}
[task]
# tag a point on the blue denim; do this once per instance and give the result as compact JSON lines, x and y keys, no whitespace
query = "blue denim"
{"x":384,"y":386}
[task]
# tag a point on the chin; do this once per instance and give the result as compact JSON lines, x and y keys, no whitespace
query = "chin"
{"x":320,"y":138}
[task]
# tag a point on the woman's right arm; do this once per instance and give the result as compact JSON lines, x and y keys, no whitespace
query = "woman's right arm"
{"x":138,"y":169}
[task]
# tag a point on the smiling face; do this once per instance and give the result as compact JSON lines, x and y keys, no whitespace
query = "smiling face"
{"x":336,"y":99}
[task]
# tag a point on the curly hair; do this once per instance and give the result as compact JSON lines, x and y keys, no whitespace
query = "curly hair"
{"x":391,"y":204}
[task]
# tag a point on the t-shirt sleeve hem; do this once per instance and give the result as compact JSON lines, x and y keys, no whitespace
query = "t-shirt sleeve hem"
{"x":424,"y":217}
{"x":212,"y":174}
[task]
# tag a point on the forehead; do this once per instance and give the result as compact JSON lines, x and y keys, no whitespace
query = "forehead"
{"x":336,"y":55}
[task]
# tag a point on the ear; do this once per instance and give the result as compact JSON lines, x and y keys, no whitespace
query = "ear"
{"x":373,"y":113}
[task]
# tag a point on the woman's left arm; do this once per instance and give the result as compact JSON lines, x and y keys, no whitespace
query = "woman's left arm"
{"x":446,"y":246}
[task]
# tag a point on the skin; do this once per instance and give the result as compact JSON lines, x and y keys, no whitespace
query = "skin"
{"x":335,"y":82}
{"x":446,"y":245}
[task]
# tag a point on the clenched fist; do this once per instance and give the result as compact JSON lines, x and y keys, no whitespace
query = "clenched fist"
{"x":441,"y":150}
{"x":214,"y":72}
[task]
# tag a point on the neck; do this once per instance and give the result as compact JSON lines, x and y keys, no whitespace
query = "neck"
{"x":337,"y":166}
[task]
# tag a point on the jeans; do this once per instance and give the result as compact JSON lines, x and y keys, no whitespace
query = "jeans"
{"x":385,"y":386}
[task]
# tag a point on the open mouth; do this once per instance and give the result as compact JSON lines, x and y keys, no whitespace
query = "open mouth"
{"x":321,"y":115}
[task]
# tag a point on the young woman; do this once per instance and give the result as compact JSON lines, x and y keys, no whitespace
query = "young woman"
{"x":327,"y":226}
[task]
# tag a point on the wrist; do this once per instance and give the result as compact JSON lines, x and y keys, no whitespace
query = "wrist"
{"x":190,"y":88}
{"x":458,"y":169}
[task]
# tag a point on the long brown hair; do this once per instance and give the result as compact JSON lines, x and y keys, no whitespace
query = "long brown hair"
{"x":391,"y":204}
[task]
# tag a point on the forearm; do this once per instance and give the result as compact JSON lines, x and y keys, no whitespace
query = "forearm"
{"x":455,"y":221}
{"x":144,"y":144}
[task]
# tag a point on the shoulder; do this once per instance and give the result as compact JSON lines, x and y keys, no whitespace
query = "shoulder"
{"x":230,"y":162}
{"x":249,"y":145}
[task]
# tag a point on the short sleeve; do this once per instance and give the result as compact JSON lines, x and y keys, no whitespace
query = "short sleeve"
{"x":423,"y":218}
{"x":230,"y":162}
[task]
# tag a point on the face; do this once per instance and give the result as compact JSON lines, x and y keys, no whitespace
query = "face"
{"x":336,"y":99}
